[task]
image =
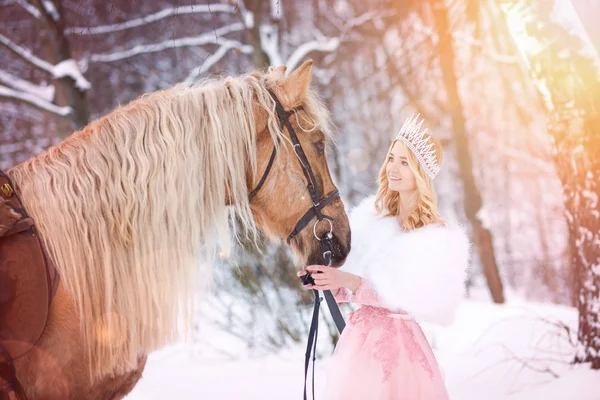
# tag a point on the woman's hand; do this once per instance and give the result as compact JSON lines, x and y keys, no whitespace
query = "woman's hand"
{"x":330,"y":278}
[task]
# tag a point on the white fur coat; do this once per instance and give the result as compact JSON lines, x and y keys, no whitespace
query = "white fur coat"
{"x":422,"y":272}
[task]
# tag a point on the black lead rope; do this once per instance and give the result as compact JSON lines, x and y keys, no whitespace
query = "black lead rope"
{"x":313,"y":331}
{"x":311,"y":345}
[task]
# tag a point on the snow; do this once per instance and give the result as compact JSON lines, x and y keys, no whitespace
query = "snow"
{"x":565,"y":14}
{"x":249,"y":20}
{"x":43,"y":92}
{"x":26,"y":54}
{"x":29,"y":8}
{"x":276,"y":11}
{"x":50,"y":9}
{"x":591,"y":197}
{"x":269,"y":40}
{"x":516,"y":351}
{"x":34,"y":100}
{"x":62,"y":69}
{"x":69,"y":68}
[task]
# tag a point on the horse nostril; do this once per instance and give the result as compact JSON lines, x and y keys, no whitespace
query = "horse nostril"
{"x":339,"y":253}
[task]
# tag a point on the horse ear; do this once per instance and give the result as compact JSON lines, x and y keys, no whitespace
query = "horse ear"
{"x":297,"y":84}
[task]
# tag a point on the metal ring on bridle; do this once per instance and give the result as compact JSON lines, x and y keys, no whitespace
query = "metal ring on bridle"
{"x":315,"y":228}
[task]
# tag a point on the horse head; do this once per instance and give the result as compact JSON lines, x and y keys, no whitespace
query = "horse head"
{"x":293,"y":196}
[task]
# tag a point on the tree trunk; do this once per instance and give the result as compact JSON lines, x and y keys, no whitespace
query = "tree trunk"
{"x":566,"y":70}
{"x":482,"y":236}
{"x":259,"y":57}
{"x":67,"y":93}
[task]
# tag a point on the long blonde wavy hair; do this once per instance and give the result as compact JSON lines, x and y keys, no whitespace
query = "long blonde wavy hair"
{"x":424,"y":209}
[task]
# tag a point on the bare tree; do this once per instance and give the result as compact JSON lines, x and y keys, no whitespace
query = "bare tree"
{"x":566,"y":70}
{"x":255,"y":31}
{"x":66,"y":95}
{"x":481,"y":234}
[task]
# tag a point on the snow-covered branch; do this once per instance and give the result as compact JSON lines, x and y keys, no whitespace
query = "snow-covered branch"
{"x":148,"y":19}
{"x":66,"y":68}
{"x":31,"y":9}
{"x":26,"y":54}
{"x":211,"y":37}
{"x":323,"y":45}
{"x":51,"y":9}
{"x":246,"y":16}
{"x":269,"y":40}
{"x":34,"y":101}
{"x":331,"y":44}
{"x":215,"y":58}
{"x":276,"y":10}
{"x":45,"y":93}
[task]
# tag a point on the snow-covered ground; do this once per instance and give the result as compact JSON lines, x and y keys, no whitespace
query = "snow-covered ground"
{"x":516,"y":351}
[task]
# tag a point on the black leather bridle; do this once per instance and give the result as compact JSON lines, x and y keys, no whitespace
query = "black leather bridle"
{"x":318,"y":202}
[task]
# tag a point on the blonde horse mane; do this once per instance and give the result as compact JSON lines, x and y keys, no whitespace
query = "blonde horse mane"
{"x":128,"y":206}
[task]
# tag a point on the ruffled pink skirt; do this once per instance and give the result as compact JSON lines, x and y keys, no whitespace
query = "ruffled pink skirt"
{"x":383,"y":356}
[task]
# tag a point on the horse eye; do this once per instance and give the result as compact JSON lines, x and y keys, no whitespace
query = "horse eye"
{"x":320,"y":145}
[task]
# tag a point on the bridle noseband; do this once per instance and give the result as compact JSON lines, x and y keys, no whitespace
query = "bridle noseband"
{"x":317,"y":201}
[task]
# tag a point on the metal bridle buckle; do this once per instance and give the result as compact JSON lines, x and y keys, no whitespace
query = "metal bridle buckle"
{"x":329,"y":234}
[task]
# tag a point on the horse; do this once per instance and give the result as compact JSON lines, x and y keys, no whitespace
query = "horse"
{"x":132,"y":208}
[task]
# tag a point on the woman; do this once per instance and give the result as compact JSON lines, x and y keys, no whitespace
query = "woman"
{"x":406,"y":264}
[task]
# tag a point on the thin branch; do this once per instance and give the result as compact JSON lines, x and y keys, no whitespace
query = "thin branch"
{"x":148,"y":19}
{"x":34,"y":101}
{"x":26,"y":54}
{"x":45,"y":93}
{"x":326,"y":45}
{"x":65,"y":68}
{"x":331,"y":44}
{"x":203,"y":39}
{"x":269,"y":41}
{"x":246,"y":16}
{"x":50,"y":9}
{"x":212,"y":60}
{"x":276,"y":12}
{"x":368,"y":16}
{"x":31,"y":9}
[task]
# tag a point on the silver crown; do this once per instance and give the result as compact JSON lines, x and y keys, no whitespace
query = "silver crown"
{"x":412,"y":136}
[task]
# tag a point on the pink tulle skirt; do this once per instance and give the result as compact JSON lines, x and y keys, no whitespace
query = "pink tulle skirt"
{"x":383,"y":356}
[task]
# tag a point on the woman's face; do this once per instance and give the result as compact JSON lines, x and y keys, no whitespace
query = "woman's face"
{"x":400,"y":176}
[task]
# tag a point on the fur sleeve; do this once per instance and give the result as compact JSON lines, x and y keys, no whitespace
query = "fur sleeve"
{"x":422,"y":272}
{"x":360,"y":218}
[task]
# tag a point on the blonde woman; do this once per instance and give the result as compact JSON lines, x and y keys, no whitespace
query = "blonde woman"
{"x":406,"y":265}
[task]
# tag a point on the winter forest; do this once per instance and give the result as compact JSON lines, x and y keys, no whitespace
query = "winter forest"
{"x":511,"y":88}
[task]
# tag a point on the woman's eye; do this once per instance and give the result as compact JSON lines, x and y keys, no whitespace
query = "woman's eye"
{"x":405,"y":163}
